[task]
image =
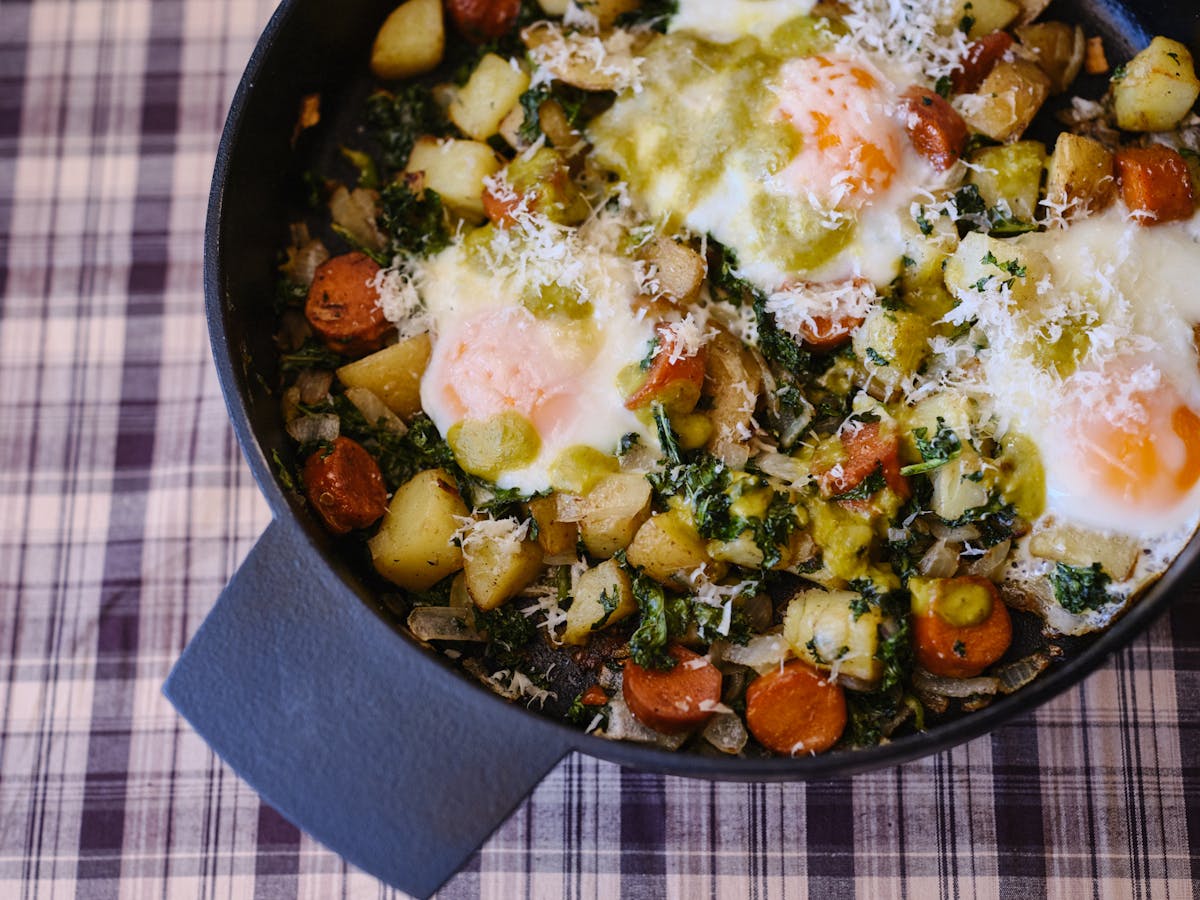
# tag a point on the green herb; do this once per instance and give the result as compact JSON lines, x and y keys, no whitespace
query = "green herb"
{"x":1077,"y":588}
{"x":922,"y":222}
{"x":651,"y":352}
{"x":381,"y":257}
{"x":283,"y":472}
{"x":1118,"y":74}
{"x":960,"y":649}
{"x":648,"y":643}
{"x":416,"y":224}
{"x":395,"y":121}
{"x":944,"y":87}
{"x":874,"y":356}
{"x":628,"y":442}
{"x":312,"y":354}
{"x":608,"y":603}
{"x":666,"y":434}
{"x":368,"y":175}
{"x":936,"y":451}
{"x":868,"y":487}
{"x":508,"y":632}
{"x":1012,"y":266}
{"x":967,"y":22}
{"x":582,"y":715}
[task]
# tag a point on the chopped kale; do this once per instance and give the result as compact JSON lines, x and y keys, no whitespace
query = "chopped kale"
{"x":666,"y":435}
{"x":508,"y":632}
{"x":571,"y":99}
{"x":867,"y":488}
{"x":936,"y":451}
{"x":648,"y":643}
{"x":312,"y":354}
{"x":282,"y":472}
{"x":1077,"y":588}
{"x":609,"y":603}
{"x":395,"y":120}
{"x":876,"y":357}
{"x":944,"y":87}
{"x":416,"y":223}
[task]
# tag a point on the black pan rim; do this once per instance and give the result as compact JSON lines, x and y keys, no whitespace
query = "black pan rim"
{"x":1153,"y":603}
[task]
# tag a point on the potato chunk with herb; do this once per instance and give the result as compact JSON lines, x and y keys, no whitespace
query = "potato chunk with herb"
{"x":1157,"y":87}
{"x":418,"y":558}
{"x":411,"y":41}
{"x":603,"y":597}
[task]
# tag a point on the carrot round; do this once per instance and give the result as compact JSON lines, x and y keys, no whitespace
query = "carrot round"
{"x":673,"y":700}
{"x":795,"y":710}
{"x":935,"y":128}
{"x":958,"y":651}
{"x":673,"y":379}
{"x":344,"y":485}
{"x":343,"y":305}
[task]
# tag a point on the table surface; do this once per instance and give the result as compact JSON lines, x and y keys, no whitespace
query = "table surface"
{"x":125,"y":507}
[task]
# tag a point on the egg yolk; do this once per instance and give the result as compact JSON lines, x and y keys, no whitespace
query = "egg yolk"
{"x":507,"y":360}
{"x":1149,"y":459}
{"x":850,"y":141}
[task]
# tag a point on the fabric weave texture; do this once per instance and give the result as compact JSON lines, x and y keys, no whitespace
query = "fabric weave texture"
{"x":125,"y":506}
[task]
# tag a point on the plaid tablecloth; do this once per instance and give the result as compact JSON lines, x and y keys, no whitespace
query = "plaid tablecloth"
{"x":125,"y":507}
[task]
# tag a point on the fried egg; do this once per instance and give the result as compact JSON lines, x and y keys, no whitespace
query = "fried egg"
{"x":544,"y":335}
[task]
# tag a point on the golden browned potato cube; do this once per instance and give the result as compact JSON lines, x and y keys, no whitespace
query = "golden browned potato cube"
{"x":557,"y":539}
{"x":412,"y":547}
{"x":982,"y":260}
{"x":496,"y":571}
{"x":1158,"y":88}
{"x":985,"y":16}
{"x":732,"y":379}
{"x":667,"y":547}
{"x":554,"y":7}
{"x":1117,"y":554}
{"x":1058,"y":49}
{"x":1080,"y":175}
{"x":823,"y":628}
{"x":1010,"y":176}
{"x":613,"y":512}
{"x":455,"y":169}
{"x":603,"y":597}
{"x":411,"y":41}
{"x":679,"y":270}
{"x":393,"y":374}
{"x":1007,"y":100}
{"x":491,"y":92}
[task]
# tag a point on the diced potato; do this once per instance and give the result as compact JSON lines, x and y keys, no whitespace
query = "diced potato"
{"x":557,"y":539}
{"x":733,"y":380}
{"x":411,"y":41}
{"x":667,"y":547}
{"x":892,"y":345}
{"x":603,"y":597}
{"x":1158,"y":88}
{"x":822,"y":628}
{"x":985,"y":16}
{"x":743,"y":551}
{"x":456,"y":170}
{"x":572,"y":57}
{"x":1058,"y":49}
{"x":679,"y":270}
{"x":954,"y":491}
{"x":985,"y":261}
{"x":497,"y":570}
{"x":1011,"y":176}
{"x":1117,"y":554}
{"x":607,"y":11}
{"x":554,"y":7}
{"x":1007,"y":101}
{"x":412,"y":547}
{"x":393,"y":374}
{"x":1080,"y":174}
{"x":613,"y":512}
{"x":494,"y":88}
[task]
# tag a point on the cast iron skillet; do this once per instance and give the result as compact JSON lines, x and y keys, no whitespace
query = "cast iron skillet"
{"x":380,"y":749}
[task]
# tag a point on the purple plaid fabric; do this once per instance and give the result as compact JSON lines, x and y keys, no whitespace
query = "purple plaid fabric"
{"x":125,"y":506}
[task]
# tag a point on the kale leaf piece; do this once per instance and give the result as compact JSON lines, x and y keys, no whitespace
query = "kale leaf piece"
{"x":1077,"y":588}
{"x":416,"y":223}
{"x":935,"y":451}
{"x":396,"y":119}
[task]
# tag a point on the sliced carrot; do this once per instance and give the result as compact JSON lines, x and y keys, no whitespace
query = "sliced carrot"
{"x":1155,"y":183}
{"x":795,"y":710}
{"x":343,"y":305}
{"x":935,"y":128}
{"x":673,"y":700}
{"x":959,"y":651}
{"x":867,"y":447}
{"x":345,"y":487}
{"x":828,"y":333}
{"x":674,"y":382}
{"x":979,"y":60}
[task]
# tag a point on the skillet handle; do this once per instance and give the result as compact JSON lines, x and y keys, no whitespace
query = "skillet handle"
{"x":350,"y":731}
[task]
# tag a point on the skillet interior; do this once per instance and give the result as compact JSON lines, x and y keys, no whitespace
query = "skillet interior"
{"x":313,"y":47}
